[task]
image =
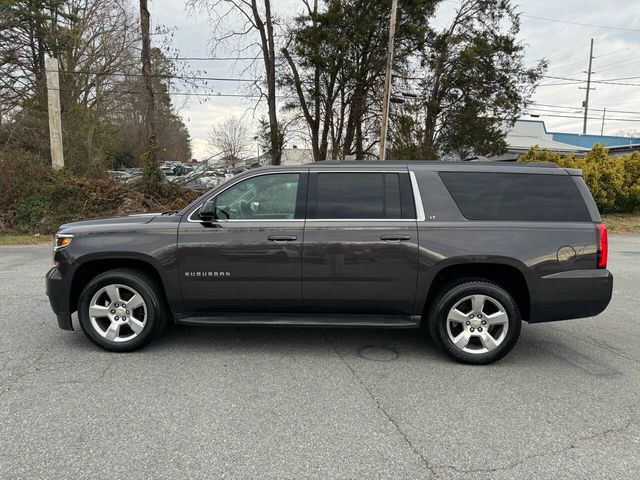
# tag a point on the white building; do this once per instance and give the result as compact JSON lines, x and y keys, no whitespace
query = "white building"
{"x":527,"y":133}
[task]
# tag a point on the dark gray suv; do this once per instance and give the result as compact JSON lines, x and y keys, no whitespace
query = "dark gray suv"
{"x":466,"y":250}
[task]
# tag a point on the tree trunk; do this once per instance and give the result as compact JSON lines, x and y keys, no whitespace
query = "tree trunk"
{"x":267,"y":44}
{"x":431,"y":119}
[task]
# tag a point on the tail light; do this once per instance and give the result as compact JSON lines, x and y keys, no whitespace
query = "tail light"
{"x":603,"y":246}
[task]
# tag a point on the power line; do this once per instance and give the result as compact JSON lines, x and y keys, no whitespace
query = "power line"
{"x":590,"y":108}
{"x":576,"y":110}
{"x":557,"y":20}
{"x":616,"y":65}
{"x":168,"y":77}
{"x":215,"y":58}
{"x":631,"y":120}
{"x":604,"y":81}
{"x":560,"y":83}
{"x":544,"y":111}
{"x":596,"y":57}
{"x":553,"y":77}
{"x":195,"y":94}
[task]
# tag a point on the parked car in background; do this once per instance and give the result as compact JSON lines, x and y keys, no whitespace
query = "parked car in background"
{"x":467,"y":250}
{"x":183,"y":170}
{"x":118,"y":175}
{"x":134,"y":171}
{"x":168,"y":171}
{"x":196,"y":184}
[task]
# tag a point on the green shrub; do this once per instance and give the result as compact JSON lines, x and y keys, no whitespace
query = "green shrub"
{"x":614,"y":181}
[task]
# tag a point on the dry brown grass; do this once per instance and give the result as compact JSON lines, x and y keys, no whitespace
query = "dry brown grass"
{"x":24,"y":239}
{"x":622,"y":222}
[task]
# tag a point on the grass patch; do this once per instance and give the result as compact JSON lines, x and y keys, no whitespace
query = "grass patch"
{"x":622,"y":222}
{"x":10,"y":239}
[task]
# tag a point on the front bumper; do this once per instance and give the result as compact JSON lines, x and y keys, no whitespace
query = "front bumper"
{"x":58,"y":293}
{"x":571,"y":294}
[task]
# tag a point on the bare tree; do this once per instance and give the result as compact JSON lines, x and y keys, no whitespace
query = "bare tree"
{"x":629,"y":132}
{"x":256,"y":17}
{"x":230,"y":139}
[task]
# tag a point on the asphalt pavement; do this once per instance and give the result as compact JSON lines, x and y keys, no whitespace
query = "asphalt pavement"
{"x":310,"y":403}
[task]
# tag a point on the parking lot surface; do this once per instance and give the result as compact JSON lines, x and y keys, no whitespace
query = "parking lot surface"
{"x":311,"y":403}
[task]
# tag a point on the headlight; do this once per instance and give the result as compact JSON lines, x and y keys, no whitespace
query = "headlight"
{"x":62,"y":240}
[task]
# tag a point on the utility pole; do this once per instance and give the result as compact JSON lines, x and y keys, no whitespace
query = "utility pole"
{"x":55,"y":122}
{"x":145,"y":58}
{"x":387,"y":83}
{"x":586,"y":100}
{"x":604,"y":112}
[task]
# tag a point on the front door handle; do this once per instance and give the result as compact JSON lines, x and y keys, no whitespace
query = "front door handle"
{"x":394,"y":237}
{"x":282,"y":238}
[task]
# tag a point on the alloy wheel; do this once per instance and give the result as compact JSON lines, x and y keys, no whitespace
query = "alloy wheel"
{"x":477,"y":324}
{"x":118,"y":313}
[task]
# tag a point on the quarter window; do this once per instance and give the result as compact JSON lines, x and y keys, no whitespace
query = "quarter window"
{"x":266,"y":197}
{"x":516,"y":196}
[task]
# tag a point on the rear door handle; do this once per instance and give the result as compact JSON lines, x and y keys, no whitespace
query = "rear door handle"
{"x":394,"y":237}
{"x":282,"y":238}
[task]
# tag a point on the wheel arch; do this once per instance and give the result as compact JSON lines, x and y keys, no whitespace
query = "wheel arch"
{"x":506,"y":274}
{"x":93,"y":267}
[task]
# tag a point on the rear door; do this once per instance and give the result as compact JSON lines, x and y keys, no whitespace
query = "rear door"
{"x":360,"y":250}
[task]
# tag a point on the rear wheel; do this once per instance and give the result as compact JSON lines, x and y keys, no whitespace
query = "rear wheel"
{"x":475,"y":321}
{"x":121,"y":310}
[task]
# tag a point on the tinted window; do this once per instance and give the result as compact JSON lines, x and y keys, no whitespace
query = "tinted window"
{"x":260,"y":198}
{"x":355,"y":195}
{"x":516,"y":196}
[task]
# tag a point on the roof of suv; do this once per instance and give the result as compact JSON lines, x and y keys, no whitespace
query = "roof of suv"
{"x":416,"y":165}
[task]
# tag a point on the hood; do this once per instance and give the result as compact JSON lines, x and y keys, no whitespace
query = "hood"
{"x":140,"y":218}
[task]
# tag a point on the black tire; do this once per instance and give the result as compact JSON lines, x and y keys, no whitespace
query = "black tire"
{"x":149,"y":290}
{"x":458,"y":290}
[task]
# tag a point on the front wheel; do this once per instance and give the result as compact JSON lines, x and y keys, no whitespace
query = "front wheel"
{"x":121,"y":310}
{"x":475,"y":322}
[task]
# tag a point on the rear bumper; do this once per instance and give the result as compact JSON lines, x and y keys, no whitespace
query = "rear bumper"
{"x":571,"y":294}
{"x":58,"y":293}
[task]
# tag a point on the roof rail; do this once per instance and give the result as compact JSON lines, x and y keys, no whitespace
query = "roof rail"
{"x":419,"y":162}
{"x":541,"y":164}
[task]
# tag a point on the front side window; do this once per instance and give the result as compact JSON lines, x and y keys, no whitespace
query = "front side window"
{"x":267,"y":197}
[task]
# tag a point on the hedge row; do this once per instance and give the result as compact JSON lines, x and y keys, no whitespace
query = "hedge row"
{"x":613,"y":181}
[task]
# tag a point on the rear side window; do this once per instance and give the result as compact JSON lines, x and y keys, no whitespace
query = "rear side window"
{"x":516,"y":196}
{"x":354,"y":195}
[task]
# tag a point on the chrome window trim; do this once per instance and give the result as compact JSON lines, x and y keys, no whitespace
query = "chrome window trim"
{"x":417,"y":198}
{"x":344,"y":170}
{"x":191,"y":220}
{"x":361,"y":220}
{"x":361,"y":170}
{"x":414,"y":185}
{"x":259,"y":174}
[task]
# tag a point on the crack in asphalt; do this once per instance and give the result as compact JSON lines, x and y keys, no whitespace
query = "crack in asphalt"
{"x":598,"y":345}
{"x":598,"y":435}
{"x":381,"y":408}
{"x":22,"y":370}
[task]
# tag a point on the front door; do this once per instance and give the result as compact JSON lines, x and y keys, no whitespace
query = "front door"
{"x":250,"y":257}
{"x":361,"y":244}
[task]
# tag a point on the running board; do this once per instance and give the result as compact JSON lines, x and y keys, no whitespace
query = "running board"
{"x":304,"y":320}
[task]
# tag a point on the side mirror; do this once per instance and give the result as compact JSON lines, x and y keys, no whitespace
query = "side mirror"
{"x":208,"y":210}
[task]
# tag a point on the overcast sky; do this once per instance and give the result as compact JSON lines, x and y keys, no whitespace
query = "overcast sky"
{"x":564,"y":45}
